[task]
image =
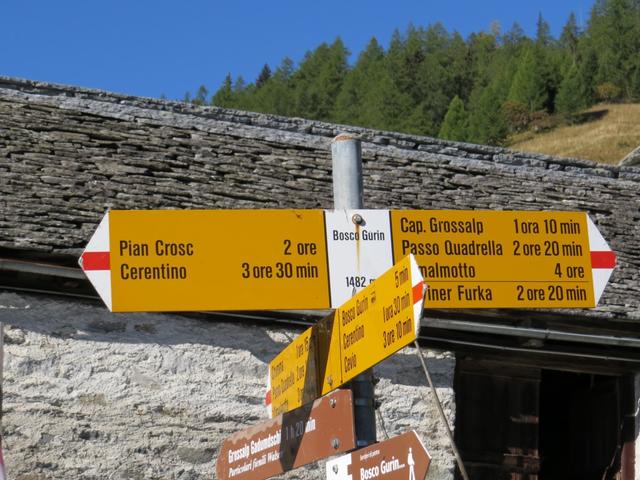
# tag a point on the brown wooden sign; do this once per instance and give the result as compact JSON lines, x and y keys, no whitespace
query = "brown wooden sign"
{"x":399,"y":458}
{"x":301,"y":436}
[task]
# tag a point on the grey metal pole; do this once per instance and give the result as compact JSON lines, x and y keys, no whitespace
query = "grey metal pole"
{"x":346,"y":157}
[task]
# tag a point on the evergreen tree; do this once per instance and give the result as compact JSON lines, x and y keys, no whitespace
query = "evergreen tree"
{"x":276,"y":95}
{"x":570,"y":97}
{"x":404,"y":57}
{"x":433,"y":87}
{"x":243,"y":94}
{"x":454,"y":126}
{"x":411,"y":59}
{"x":482,"y":51}
{"x":635,"y":82}
{"x":587,"y":71}
{"x":265,"y":75}
{"x":285,"y":69}
{"x":352,"y":104}
{"x":224,"y":96}
{"x":614,"y":34}
{"x":570,"y":36}
{"x":319,"y":79}
{"x":385,"y":106}
{"x":543,"y":32}
{"x":514,"y":37}
{"x":486,"y":120}
{"x":201,"y":96}
{"x":460,"y":76}
{"x":528,"y":87}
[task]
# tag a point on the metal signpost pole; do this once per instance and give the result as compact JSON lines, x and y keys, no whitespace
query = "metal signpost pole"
{"x":347,"y":195}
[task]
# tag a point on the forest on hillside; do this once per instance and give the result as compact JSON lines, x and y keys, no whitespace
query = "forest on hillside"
{"x":433,"y":82}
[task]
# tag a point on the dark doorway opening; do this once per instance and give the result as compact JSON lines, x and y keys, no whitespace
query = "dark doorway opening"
{"x":580,"y":426}
{"x":518,"y":422}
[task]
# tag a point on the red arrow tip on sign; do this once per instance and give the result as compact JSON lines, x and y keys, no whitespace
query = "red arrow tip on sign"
{"x":95,"y":261}
{"x":603,"y":259}
{"x":418,"y":292}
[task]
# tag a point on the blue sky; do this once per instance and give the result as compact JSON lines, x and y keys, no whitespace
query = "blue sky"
{"x":149,"y":48}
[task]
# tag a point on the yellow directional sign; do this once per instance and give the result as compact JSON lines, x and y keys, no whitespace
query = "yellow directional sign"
{"x":292,"y":379}
{"x":168,"y":260}
{"x":485,"y":259}
{"x":374,"y":324}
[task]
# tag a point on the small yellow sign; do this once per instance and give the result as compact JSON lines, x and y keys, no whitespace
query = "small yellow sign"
{"x":169,"y":260}
{"x":292,"y":374}
{"x":374,"y":324}
{"x":485,"y":259}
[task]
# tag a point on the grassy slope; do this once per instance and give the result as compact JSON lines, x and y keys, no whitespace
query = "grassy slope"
{"x":607,"y":134}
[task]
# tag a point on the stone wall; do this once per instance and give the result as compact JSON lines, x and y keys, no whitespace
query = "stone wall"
{"x":93,"y":395}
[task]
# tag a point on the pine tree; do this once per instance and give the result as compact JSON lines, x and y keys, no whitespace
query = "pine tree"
{"x":587,"y":71}
{"x":454,"y":126}
{"x":276,"y":95}
{"x":482,"y":51}
{"x":635,"y":82}
{"x":570,"y":97}
{"x":201,"y":96}
{"x":434,"y":87}
{"x":285,"y":69}
{"x":514,"y":37}
{"x":405,"y":57}
{"x":386,"y":107}
{"x":319,"y":79}
{"x":244,"y":94}
{"x":486,"y":120}
{"x":224,"y":96}
{"x":528,"y":87}
{"x":615,"y":37}
{"x":543,"y":32}
{"x":460,"y":76}
{"x":570,"y":36}
{"x":265,"y":75}
{"x":353,"y":101}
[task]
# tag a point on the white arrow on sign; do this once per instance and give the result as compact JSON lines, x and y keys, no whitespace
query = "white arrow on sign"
{"x":603,"y":260}
{"x":95,"y":261}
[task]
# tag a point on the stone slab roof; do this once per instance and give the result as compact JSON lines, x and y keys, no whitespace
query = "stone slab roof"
{"x":68,"y":154}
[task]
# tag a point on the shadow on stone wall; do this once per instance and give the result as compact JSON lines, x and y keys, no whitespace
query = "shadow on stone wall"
{"x":90,"y":321}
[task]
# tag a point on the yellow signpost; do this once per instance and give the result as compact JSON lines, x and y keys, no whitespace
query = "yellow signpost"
{"x":172,"y":260}
{"x":292,"y":378}
{"x":374,"y":324}
{"x":168,"y":260}
{"x":486,"y":259}
{"x":198,"y":260}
